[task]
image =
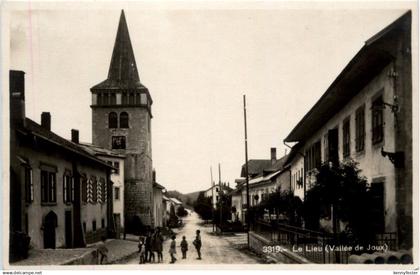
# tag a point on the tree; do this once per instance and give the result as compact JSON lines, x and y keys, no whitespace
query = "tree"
{"x":284,"y":206}
{"x":203,"y":207}
{"x":342,"y":189}
{"x":223,"y":210}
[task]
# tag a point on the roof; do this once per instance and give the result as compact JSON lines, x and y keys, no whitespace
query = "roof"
{"x":377,"y":53}
{"x":99,"y":151}
{"x":259,"y":166}
{"x":176,"y":201}
{"x":256,"y":166}
{"x":122,"y":72}
{"x":157,"y":185}
{"x":257,"y":180}
{"x":31,"y":127}
{"x":165,"y":198}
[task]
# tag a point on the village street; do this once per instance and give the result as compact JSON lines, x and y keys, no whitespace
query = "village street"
{"x":215,"y":249}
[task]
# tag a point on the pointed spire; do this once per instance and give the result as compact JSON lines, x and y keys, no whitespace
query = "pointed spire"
{"x":123,"y":69}
{"x":123,"y":64}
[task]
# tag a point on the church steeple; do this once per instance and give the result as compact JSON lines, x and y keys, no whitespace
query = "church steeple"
{"x":123,"y":64}
{"x":122,"y":72}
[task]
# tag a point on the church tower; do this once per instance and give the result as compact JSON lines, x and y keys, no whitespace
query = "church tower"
{"x":121,"y":121}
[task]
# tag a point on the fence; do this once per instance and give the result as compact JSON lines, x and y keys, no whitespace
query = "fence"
{"x":317,"y":247}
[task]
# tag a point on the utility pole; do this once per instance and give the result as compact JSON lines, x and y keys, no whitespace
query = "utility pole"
{"x":220,"y":199}
{"x":212,"y":197}
{"x":246,"y":174}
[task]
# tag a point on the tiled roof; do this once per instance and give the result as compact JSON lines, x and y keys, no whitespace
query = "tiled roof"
{"x":376,"y":54}
{"x":35,"y":129}
{"x":96,"y":150}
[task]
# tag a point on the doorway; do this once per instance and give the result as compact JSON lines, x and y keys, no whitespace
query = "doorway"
{"x":50,"y":223}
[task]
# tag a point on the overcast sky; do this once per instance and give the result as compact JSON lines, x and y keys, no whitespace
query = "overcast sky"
{"x":197,"y":64}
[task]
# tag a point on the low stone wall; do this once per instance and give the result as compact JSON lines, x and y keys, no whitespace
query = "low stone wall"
{"x":257,"y":243}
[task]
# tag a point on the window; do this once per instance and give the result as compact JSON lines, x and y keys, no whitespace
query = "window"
{"x":93,"y":225}
{"x":99,"y":100}
{"x":313,"y":156}
{"x":131,"y":99}
{"x":326,"y":157}
{"x":48,"y":187}
{"x":84,"y":227}
{"x":113,"y":99}
{"x":360,"y":129}
{"x":124,"y":98}
{"x":112,"y":120}
{"x":117,"y":167}
{"x":118,"y":142}
{"x":346,"y":138}
{"x":123,"y":120}
{"x":377,"y":120}
{"x":138,"y":99}
{"x":117,"y":193}
{"x":68,"y":188}
{"x":103,"y":223}
{"x":29,"y":185}
{"x":105,"y":98}
{"x":84,"y":184}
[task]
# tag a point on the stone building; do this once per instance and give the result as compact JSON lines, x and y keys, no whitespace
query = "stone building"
{"x":60,"y":195}
{"x":117,"y":177}
{"x":121,"y":122}
{"x":366,"y":115}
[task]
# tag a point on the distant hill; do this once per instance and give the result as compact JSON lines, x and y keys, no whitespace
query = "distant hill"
{"x":187,"y":199}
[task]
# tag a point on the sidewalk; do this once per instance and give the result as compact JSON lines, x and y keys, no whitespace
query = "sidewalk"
{"x":118,"y":250}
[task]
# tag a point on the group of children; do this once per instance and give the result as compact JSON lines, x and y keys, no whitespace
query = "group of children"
{"x":172,"y":249}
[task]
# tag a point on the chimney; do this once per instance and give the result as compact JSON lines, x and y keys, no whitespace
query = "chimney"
{"x":17,"y":97}
{"x":46,"y":120}
{"x":75,"y":135}
{"x":273,"y":155}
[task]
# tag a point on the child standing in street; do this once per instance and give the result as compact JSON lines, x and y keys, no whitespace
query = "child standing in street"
{"x":184,"y":247}
{"x":172,"y":250}
{"x":142,"y":251}
{"x":197,"y":244}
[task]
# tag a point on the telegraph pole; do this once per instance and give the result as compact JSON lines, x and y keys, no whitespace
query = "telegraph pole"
{"x":220,"y":199}
{"x":246,"y":174}
{"x":212,"y":197}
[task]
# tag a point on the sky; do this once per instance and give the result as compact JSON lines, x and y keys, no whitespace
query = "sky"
{"x":197,"y":63}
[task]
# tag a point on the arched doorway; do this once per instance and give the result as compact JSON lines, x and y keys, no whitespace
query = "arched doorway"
{"x":50,"y":223}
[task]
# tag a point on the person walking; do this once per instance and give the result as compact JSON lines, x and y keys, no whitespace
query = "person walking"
{"x":184,"y":247}
{"x":197,"y":244}
{"x":172,"y":250}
